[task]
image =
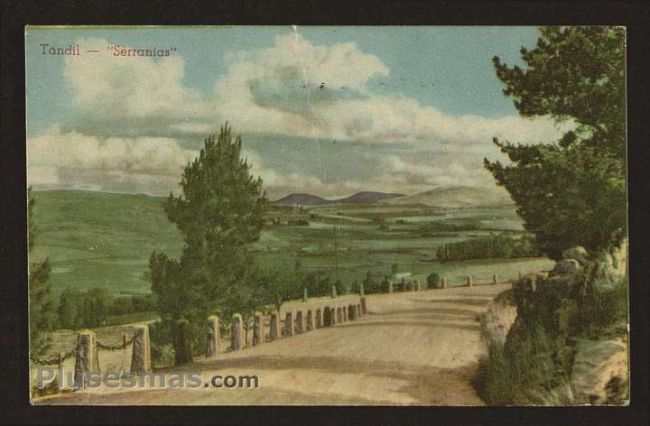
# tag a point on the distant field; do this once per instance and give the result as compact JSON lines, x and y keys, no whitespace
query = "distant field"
{"x":104,"y":240}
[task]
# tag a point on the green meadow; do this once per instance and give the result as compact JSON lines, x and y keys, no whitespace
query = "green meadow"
{"x":97,"y":239}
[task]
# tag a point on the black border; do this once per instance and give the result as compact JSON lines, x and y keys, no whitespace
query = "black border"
{"x":14,"y":401}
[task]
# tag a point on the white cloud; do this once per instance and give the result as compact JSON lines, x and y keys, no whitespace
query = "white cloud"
{"x":278,"y":90}
{"x":134,"y":86}
{"x":78,"y":161}
{"x":132,"y":110}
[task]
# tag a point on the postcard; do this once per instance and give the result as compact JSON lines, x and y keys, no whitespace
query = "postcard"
{"x":327,"y":215}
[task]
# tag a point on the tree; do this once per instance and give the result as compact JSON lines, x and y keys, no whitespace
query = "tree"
{"x":41,"y":312}
{"x":433,"y":280}
{"x":220,"y":214}
{"x":571,"y":191}
{"x":273,"y":288}
{"x":84,"y":308}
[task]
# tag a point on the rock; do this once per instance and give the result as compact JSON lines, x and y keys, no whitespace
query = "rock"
{"x":497,"y":321}
{"x":600,"y":372}
{"x":577,"y":253}
{"x":528,"y":282}
{"x":611,"y":267}
{"x":566,"y":266}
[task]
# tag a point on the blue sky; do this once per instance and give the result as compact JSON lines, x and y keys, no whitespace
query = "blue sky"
{"x":392,"y":97}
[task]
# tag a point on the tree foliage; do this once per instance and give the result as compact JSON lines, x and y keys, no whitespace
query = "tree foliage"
{"x":220,"y":214}
{"x":571,"y":191}
{"x":490,"y":247}
{"x":41,"y":311}
{"x":84,"y":308}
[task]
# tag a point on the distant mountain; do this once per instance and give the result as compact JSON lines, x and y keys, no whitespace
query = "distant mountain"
{"x":368,"y":197}
{"x":364,"y":197}
{"x":450,"y":196}
{"x":301,"y":199}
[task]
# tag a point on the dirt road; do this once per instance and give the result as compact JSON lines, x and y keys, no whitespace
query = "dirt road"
{"x":415,"y":348}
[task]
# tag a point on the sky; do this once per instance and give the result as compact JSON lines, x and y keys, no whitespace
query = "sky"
{"x":324,"y":110}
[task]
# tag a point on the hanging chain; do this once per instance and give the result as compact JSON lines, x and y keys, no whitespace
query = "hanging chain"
{"x":115,"y":347}
{"x":54,"y":360}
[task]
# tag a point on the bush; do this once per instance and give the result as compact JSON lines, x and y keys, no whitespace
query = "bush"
{"x":600,"y":308}
{"x":537,"y":358}
{"x":162,"y":348}
{"x":341,"y":288}
{"x":433,"y":280}
{"x":372,"y":283}
{"x":84,"y":308}
{"x":495,"y":377}
{"x":132,"y":304}
{"x":495,"y":246}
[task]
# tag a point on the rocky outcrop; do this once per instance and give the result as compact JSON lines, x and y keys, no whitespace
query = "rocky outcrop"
{"x":568,"y":303}
{"x":497,"y":321}
{"x":600,"y":372}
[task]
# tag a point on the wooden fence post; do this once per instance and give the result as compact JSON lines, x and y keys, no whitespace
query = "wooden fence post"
{"x":310,"y":320}
{"x":469,"y":281}
{"x":86,"y":361}
{"x":258,"y":329}
{"x":334,"y":291}
{"x":351,"y":313}
{"x":443,"y":283}
{"x":495,"y":281}
{"x":319,"y":318}
{"x":213,"y":336}
{"x":361,"y":290}
{"x":390,"y":286}
{"x":326,"y":316}
{"x":288,"y":324}
{"x":274,"y":331}
{"x":305,"y":295}
{"x":299,"y":322}
{"x":141,"y":353}
{"x":363,"y":306}
{"x":236,"y":332}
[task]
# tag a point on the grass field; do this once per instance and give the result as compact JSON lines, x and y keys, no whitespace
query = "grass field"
{"x":96,"y":239}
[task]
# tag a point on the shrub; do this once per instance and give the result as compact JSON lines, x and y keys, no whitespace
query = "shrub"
{"x":494,"y":246}
{"x":162,"y":348}
{"x":495,"y":377}
{"x":341,"y":288}
{"x":372,"y":284}
{"x":84,"y":308}
{"x":537,"y":358}
{"x":433,"y":280}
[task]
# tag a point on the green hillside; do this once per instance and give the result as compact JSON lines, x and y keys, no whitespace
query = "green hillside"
{"x":98,"y":239}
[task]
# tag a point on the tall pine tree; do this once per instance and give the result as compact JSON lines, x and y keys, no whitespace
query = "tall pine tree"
{"x":571,"y":191}
{"x":220,"y":214}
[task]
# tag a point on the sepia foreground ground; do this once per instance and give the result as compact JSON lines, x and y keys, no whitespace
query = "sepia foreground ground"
{"x":415,"y":348}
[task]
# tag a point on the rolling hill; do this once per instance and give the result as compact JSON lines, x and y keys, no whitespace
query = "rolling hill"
{"x":100,"y":239}
{"x":368,"y":197}
{"x":449,"y":196}
{"x":301,"y":199}
{"x":363,"y":197}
